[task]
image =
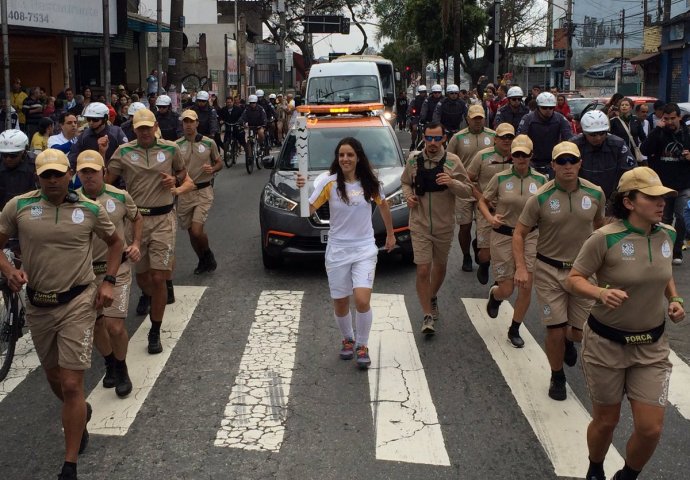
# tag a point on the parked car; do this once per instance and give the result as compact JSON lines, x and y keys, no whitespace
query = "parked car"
{"x":607,"y":68}
{"x":284,"y":233}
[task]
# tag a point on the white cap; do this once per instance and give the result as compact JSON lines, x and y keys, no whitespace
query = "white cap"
{"x":515,"y":92}
{"x":546,"y":99}
{"x":96,"y":110}
{"x":163,"y":101}
{"x":452,"y":88}
{"x":252,"y":99}
{"x":594,"y":121}
{"x":421,"y":88}
{"x":202,"y":95}
{"x":272,"y":96}
{"x":259,"y":93}
{"x":134,"y":107}
{"x":12,"y":141}
{"x":436,"y":88}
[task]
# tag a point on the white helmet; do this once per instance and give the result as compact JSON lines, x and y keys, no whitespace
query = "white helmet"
{"x":259,"y":93}
{"x":594,"y":121}
{"x":546,"y":99}
{"x":436,"y":88}
{"x":252,"y":99}
{"x":515,"y":92}
{"x":202,"y":95}
{"x":272,"y":96}
{"x":12,"y":141}
{"x":163,"y":101}
{"x":452,"y":88}
{"x":421,"y":89}
{"x":96,"y":110}
{"x":134,"y":107}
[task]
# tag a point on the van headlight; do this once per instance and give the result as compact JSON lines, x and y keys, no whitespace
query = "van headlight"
{"x":275,"y":200}
{"x":396,"y":199}
{"x":387,"y":115}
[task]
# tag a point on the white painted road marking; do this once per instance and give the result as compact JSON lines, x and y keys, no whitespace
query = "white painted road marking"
{"x":25,"y":361}
{"x":679,"y":387}
{"x":256,"y":413}
{"x":405,"y":419}
{"x":113,"y":415}
{"x":560,"y":426}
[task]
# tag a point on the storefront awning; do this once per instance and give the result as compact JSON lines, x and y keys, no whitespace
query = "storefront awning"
{"x":644,"y":58}
{"x":139,"y":23}
{"x":673,"y":45}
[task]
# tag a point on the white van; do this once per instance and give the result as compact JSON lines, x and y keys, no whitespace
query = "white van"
{"x":341,"y":83}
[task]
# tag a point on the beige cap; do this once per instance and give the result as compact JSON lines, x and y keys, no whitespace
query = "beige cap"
{"x":522,"y":143}
{"x":90,"y":159}
{"x":645,"y":180}
{"x":505,"y":129}
{"x":51,"y":159}
{"x":189,"y":113}
{"x":565,"y":148}
{"x":144,"y":118}
{"x":476,"y":111}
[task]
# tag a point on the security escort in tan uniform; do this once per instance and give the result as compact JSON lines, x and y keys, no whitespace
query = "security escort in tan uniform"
{"x":110,"y":336}
{"x":566,"y":210}
{"x":465,"y":144}
{"x":151,"y":168}
{"x":431,"y":180}
{"x":55,"y":227}
{"x":625,"y":349}
{"x":509,"y":191}
{"x":202,"y":160}
{"x":485,"y":164}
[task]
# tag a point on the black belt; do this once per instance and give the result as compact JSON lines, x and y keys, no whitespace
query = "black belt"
{"x":101,"y":267}
{"x":201,"y":185}
{"x":506,"y":230}
{"x":41,"y":299}
{"x":555,"y":263}
{"x":153,"y":211}
{"x":623,"y":337}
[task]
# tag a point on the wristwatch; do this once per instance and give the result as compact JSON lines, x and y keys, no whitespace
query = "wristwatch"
{"x":110,"y":279}
{"x":676,"y":299}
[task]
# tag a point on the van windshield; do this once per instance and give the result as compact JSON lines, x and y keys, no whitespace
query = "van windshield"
{"x":343,"y":89}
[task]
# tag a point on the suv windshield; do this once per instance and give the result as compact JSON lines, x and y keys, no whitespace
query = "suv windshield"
{"x":343,"y":89}
{"x":378,"y":143}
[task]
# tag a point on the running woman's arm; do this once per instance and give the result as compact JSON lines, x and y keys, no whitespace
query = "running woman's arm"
{"x":519,"y":234}
{"x":676,"y":312}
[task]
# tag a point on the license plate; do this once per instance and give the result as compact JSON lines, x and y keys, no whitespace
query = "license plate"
{"x":324,"y":236}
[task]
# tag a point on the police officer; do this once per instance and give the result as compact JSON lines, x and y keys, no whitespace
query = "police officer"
{"x":414,"y":113}
{"x":546,"y":128}
{"x":566,"y":209}
{"x":432,"y":174}
{"x":202,"y":159}
{"x":426,"y":115}
{"x":208,"y":117}
{"x":465,"y":144}
{"x":17,"y":169}
{"x":110,"y":334}
{"x":512,"y":112}
{"x":625,"y":350}
{"x":55,"y":228}
{"x":168,"y":120}
{"x":151,"y":167}
{"x":451,"y":111}
{"x":605,"y":157}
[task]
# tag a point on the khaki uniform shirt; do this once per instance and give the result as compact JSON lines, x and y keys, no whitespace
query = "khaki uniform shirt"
{"x":118,"y":205}
{"x":435,"y":212}
{"x":141,"y":169}
{"x":564,"y":219}
{"x":466,"y":144}
{"x":628,"y":259}
{"x":509,"y":192}
{"x":56,"y":241}
{"x":485,"y":164}
{"x":196,"y":154}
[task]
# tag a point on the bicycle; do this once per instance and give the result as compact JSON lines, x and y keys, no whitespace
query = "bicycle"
{"x":231,"y":146}
{"x":252,"y":158}
{"x":12,"y":320}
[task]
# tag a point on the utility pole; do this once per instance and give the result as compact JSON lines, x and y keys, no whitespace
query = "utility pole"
{"x":226,"y":79}
{"x":106,"y":50}
{"x":175,"y":42}
{"x":622,"y":43}
{"x":159,"y":42}
{"x":6,"y":65}
{"x":497,"y":36}
{"x":237,"y":48}
{"x":569,"y":43}
{"x":283,"y":35}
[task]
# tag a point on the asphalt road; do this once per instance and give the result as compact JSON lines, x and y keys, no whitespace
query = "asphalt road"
{"x":325,"y":414}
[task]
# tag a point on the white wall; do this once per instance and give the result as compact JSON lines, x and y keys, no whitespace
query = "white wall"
{"x":200,"y":12}
{"x":215,"y":48}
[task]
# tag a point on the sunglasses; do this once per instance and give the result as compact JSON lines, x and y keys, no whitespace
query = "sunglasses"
{"x":520,"y":155}
{"x":52,"y":174}
{"x":568,"y":159}
{"x":433,"y":138}
{"x":517,"y":99}
{"x":547,"y":108}
{"x":94,"y":119}
{"x":597,"y":134}
{"x":507,"y":137}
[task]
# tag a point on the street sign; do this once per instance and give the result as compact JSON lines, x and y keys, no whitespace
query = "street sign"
{"x":567,"y":73}
{"x":326,"y":24}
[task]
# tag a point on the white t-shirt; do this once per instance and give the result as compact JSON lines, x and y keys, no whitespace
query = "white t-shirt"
{"x":350,"y":222}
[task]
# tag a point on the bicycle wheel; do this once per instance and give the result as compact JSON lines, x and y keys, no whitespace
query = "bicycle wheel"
{"x":9,"y":325}
{"x":249,"y":159}
{"x":227,"y":154}
{"x":234,"y":151}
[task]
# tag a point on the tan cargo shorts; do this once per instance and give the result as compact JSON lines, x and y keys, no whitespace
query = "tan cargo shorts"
{"x":502,"y":260}
{"x":121,"y":290}
{"x":464,"y":210}
{"x":194,"y":207}
{"x":157,"y":243}
{"x":556,"y":304}
{"x":431,"y":248}
{"x":484,"y":230}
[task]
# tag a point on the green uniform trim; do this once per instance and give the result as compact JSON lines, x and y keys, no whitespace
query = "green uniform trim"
{"x":116,"y":195}
{"x":93,"y":207}
{"x":614,"y":238}
{"x":25,"y":202}
{"x":544,"y":196}
{"x":593,"y":192}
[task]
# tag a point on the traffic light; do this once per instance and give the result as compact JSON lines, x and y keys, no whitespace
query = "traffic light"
{"x":408,"y":71}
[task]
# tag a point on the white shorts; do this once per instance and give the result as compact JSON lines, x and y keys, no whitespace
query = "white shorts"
{"x":350,"y":267}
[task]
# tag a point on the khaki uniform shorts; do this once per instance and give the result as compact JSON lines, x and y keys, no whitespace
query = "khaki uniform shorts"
{"x":642,"y":372}
{"x":194,"y":207}
{"x":120,"y":304}
{"x":431,"y":248}
{"x":157,"y":243}
{"x":484,"y":230}
{"x":557,"y":305}
{"x":502,"y":260}
{"x":464,"y":210}
{"x":63,"y":335}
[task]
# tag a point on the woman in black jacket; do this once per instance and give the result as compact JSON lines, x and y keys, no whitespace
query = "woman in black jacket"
{"x":627,"y":126}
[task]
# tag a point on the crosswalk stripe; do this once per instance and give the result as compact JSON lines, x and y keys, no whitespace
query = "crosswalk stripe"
{"x":405,"y":419}
{"x":560,"y":426}
{"x":679,"y":387}
{"x":256,"y":413}
{"x":113,"y":415}
{"x":25,"y":361}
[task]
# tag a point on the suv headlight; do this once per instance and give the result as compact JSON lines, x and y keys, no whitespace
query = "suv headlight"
{"x":275,"y":200}
{"x":397,"y":199}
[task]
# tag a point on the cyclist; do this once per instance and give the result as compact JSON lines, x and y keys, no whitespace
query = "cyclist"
{"x":208,"y":117}
{"x":512,"y":112}
{"x":63,"y":299}
{"x":451,"y":111}
{"x":414,"y":113}
{"x":426,"y":115}
{"x":270,"y":114}
{"x":254,"y":117}
{"x":110,"y":333}
{"x":17,"y":170}
{"x":98,"y":133}
{"x":201,"y":157}
{"x":230,"y":115}
{"x":168,"y":120}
